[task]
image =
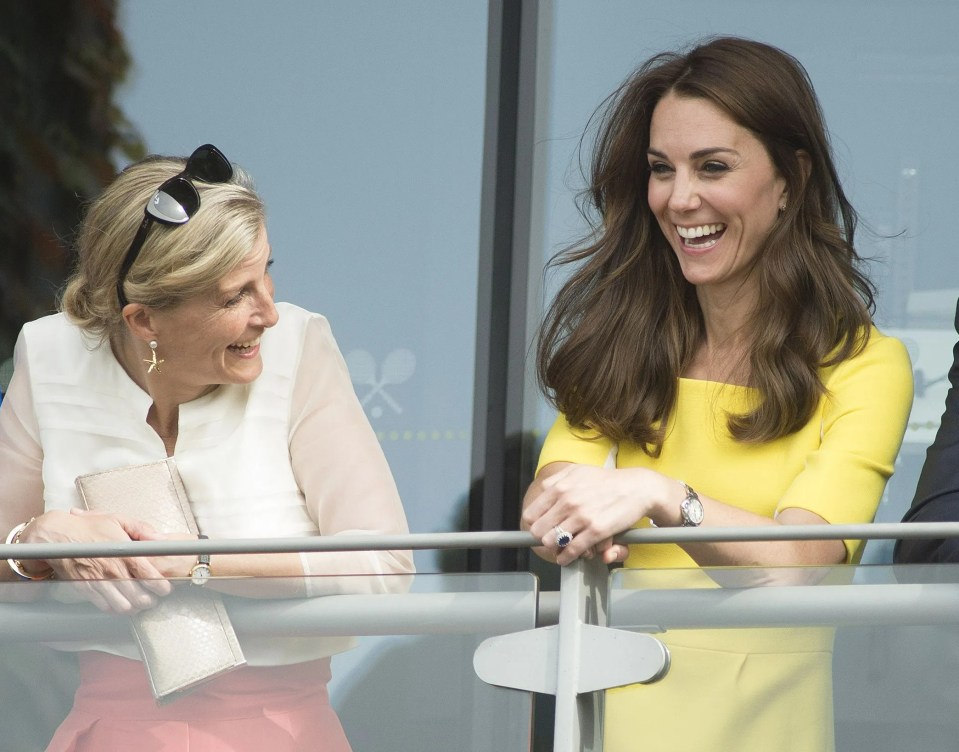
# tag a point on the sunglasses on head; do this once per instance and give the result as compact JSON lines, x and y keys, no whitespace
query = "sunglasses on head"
{"x":175,"y":201}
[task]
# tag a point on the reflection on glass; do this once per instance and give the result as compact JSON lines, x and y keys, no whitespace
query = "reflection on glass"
{"x":411,"y":687}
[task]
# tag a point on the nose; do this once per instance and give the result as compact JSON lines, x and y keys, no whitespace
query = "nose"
{"x":270,"y":315}
{"x":266,"y":313}
{"x":684,"y":195}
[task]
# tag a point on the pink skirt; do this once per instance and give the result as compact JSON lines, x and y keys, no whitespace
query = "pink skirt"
{"x":252,"y":708}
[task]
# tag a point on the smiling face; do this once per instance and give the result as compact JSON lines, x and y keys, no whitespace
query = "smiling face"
{"x":714,"y":191}
{"x":214,"y":338}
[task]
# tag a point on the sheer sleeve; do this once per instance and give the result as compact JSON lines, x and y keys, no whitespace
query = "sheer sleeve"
{"x":341,"y":469}
{"x":21,"y":458}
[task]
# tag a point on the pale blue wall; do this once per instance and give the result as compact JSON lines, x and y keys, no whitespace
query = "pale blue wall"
{"x":362,"y":124}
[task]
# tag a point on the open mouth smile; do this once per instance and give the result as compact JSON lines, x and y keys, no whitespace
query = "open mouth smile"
{"x":701,"y":237}
{"x":244,"y":347}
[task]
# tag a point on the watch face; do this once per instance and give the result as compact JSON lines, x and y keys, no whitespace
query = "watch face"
{"x":200,"y":574}
{"x":692,"y":509}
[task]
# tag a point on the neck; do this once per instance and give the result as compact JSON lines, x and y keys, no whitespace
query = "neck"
{"x":128,"y":353}
{"x":723,"y":354}
{"x":159,"y":381}
{"x":164,"y":422}
{"x":726,"y":311}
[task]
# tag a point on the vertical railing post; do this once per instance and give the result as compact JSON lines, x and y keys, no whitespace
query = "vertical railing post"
{"x":584,"y":588}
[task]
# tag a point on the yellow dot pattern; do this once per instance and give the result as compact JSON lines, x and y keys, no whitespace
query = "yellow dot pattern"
{"x":423,"y":434}
{"x":920,"y":425}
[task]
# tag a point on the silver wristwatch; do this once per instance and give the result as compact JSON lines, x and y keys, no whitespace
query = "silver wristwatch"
{"x":691,"y":508}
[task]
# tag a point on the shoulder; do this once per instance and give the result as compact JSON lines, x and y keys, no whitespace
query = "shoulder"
{"x":299,"y":335}
{"x":880,"y":354}
{"x":294,"y":317}
{"x":56,"y":325}
{"x":886,"y":346}
{"x":564,"y":443}
{"x":53,"y":338}
{"x":295,"y":325}
{"x":881,"y":367}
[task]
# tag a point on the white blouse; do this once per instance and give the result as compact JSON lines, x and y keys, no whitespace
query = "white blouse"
{"x":290,"y":454}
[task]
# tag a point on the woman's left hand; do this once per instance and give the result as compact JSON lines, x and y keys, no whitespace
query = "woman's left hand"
{"x":592,"y":504}
{"x":168,"y":566}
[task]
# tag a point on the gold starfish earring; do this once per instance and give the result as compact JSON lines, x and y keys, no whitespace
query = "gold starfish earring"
{"x":154,"y":363}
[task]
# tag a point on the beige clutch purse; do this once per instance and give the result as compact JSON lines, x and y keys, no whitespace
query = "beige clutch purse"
{"x":187,"y":637}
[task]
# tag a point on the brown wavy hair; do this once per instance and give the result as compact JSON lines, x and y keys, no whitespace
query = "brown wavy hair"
{"x":626,"y":323}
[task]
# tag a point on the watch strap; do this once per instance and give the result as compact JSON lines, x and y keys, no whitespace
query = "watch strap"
{"x":203,"y":558}
{"x":200,"y":572}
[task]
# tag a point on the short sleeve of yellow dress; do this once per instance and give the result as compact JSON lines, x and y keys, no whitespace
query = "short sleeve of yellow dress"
{"x":755,"y":689}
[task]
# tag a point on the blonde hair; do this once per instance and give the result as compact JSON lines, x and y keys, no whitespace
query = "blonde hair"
{"x":176,"y":262}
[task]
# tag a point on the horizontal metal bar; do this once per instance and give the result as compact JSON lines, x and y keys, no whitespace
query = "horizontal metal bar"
{"x":790,"y":606}
{"x":504,"y":612}
{"x":514,"y":539}
{"x":867,"y":531}
{"x":485,"y":613}
{"x":503,"y":539}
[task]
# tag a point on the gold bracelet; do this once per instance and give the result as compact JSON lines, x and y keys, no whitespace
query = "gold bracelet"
{"x":15,"y":564}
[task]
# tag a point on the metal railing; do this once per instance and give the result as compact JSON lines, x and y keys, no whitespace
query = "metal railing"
{"x":570,"y":624}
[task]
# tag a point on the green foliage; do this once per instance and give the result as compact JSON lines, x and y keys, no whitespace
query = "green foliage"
{"x":61,"y":62}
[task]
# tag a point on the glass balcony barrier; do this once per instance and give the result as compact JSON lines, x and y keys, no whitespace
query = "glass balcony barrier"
{"x":877,"y":645}
{"x":406,"y":683}
{"x":453,"y":661}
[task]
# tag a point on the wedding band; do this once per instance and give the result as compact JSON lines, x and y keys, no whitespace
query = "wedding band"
{"x":563,"y":538}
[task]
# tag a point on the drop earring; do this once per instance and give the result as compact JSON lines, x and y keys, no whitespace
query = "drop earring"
{"x":154,"y":363}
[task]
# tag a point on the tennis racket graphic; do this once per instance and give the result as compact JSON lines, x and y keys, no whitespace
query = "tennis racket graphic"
{"x":398,"y":367}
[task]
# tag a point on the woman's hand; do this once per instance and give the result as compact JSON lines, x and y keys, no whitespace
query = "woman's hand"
{"x":593,"y":504}
{"x":167,"y":566}
{"x":119,"y":585}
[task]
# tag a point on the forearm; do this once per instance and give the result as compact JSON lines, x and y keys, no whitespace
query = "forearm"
{"x":310,"y":573}
{"x":21,"y":490}
{"x":761,"y":553}
{"x":597,"y":503}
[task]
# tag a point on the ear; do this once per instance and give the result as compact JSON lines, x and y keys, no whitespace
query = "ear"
{"x":140,"y":321}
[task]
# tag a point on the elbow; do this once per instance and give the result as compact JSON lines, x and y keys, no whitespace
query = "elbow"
{"x":400,"y":572}
{"x":822,"y":553}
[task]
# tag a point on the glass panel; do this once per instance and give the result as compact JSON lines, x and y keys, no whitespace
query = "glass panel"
{"x":414,"y":688}
{"x":895,"y":681}
{"x":420,"y":691}
{"x":362,"y":124}
{"x":887,"y":99}
{"x":865,"y":655}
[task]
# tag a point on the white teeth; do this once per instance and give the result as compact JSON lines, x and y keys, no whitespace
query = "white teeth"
{"x":245,"y":345}
{"x":698,"y":232}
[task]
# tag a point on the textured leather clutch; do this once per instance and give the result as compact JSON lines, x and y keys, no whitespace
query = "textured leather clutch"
{"x":187,"y":638}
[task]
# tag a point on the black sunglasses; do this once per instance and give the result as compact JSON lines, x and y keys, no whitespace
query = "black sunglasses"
{"x":176,"y":201}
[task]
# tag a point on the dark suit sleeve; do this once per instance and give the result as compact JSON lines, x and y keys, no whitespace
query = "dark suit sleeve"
{"x":937,"y":493}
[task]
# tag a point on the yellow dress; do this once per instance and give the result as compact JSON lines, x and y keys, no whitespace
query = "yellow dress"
{"x":759,"y":689}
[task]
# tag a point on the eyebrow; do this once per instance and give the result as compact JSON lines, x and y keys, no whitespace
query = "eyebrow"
{"x":698,"y":154}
